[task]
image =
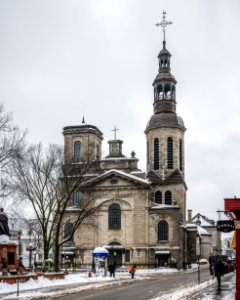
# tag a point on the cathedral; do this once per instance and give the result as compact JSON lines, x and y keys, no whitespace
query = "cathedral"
{"x":141,"y":215}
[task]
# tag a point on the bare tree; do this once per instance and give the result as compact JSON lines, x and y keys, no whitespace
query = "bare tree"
{"x":43,"y":179}
{"x":12,"y":144}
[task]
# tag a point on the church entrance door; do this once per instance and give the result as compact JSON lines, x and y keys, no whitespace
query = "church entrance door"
{"x":116,"y":250}
{"x":162,"y":258}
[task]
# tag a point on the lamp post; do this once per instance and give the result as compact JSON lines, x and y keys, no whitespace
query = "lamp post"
{"x":30,"y":248}
{"x":232,"y":206}
{"x":198,"y":252}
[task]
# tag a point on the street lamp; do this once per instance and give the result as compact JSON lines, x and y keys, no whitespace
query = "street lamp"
{"x":30,"y":248}
{"x":198,"y":252}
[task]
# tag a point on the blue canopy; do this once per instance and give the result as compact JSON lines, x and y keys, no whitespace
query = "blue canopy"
{"x":100,"y":252}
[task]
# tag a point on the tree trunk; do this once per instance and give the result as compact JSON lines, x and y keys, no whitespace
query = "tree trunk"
{"x":56,"y":250}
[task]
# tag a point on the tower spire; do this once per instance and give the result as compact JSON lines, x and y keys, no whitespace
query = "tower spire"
{"x":164,"y":23}
{"x":164,"y":83}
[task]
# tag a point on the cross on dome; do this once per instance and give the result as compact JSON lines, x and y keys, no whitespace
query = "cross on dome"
{"x":164,"y":23}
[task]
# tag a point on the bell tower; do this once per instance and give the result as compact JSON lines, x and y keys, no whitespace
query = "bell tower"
{"x":165,"y":160}
{"x":82,"y":143}
{"x":165,"y":129}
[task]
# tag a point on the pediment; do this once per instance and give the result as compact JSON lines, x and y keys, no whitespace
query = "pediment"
{"x":116,"y":178}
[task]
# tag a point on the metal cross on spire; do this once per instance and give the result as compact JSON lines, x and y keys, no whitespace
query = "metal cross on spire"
{"x":164,"y":23}
{"x":115,"y":132}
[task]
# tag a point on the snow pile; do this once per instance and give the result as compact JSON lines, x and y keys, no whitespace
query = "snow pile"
{"x":42,"y":282}
{"x":184,"y":291}
{"x":67,"y":291}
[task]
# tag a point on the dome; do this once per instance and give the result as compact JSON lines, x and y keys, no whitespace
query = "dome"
{"x":164,"y":51}
{"x":165,"y":120}
{"x":164,"y":76}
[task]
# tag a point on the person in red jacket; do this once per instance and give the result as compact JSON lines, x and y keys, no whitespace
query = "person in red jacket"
{"x":132,"y":270}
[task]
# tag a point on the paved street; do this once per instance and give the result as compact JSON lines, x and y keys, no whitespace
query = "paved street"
{"x":227,"y":290}
{"x":141,"y":289}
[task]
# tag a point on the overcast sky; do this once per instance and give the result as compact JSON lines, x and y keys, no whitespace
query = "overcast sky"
{"x":62,"y":59}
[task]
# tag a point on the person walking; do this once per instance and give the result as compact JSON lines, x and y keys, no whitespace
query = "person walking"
{"x":211,"y":269}
{"x":219,"y":272}
{"x":132,"y":270}
{"x":111,"y":269}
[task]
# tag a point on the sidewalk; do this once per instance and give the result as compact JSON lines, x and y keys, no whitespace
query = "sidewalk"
{"x":227,"y":291}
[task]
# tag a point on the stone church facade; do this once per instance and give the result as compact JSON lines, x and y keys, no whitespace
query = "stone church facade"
{"x":140,"y":215}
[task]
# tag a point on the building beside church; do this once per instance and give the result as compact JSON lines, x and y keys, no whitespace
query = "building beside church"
{"x":141,"y":215}
{"x":210,"y":238}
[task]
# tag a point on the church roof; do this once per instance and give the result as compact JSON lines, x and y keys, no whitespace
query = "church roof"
{"x":119,"y":173}
{"x":202,"y":231}
{"x":83,"y":128}
{"x":203,"y":219}
{"x":161,"y":77}
{"x":153,"y":177}
{"x":165,"y":119}
{"x":195,"y":228}
{"x":174,"y":178}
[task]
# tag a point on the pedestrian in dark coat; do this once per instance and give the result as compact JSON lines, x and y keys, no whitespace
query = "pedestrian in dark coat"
{"x":219,"y":272}
{"x":111,"y":269}
{"x":211,"y":269}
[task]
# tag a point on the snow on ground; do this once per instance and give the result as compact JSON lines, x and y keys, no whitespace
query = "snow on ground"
{"x":72,"y":282}
{"x":47,"y":289}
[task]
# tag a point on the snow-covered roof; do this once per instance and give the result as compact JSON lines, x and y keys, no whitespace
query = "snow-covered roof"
{"x":190,"y":225}
{"x":119,"y":158}
{"x":163,"y":206}
{"x":121,"y":173}
{"x":202,"y":231}
{"x":194,"y":227}
{"x":203,"y":219}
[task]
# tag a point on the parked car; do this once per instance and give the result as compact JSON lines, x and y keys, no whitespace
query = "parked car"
{"x":203,"y":261}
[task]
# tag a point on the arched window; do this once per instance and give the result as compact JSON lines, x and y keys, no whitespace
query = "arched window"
{"x":68,"y":229}
{"x":168,"y":198}
{"x":161,"y":63}
{"x":114,"y":216}
{"x":76,"y":197}
{"x":160,"y":92}
{"x":167,"y":91}
{"x":163,"y":231}
{"x":156,"y":154}
{"x":77,"y":149}
{"x":170,"y":153}
{"x":180,"y":155}
{"x":158,"y":197}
